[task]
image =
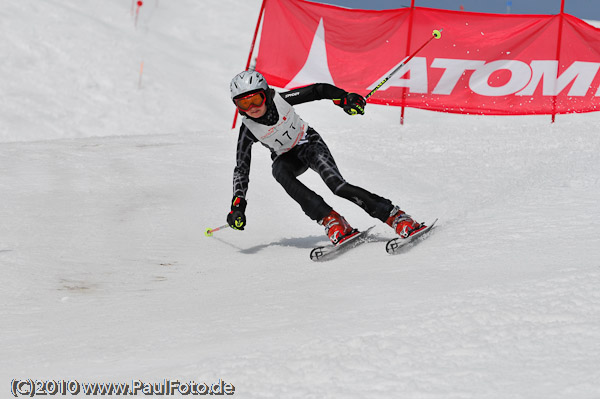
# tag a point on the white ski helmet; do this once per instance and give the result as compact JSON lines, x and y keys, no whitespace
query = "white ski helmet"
{"x":246,"y":82}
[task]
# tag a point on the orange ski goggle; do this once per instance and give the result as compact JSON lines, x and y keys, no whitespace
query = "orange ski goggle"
{"x":251,"y":100}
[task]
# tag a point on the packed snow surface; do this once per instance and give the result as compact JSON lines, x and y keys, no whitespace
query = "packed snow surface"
{"x":116,"y":154}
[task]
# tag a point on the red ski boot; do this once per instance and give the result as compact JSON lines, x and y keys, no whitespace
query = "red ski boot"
{"x":402,"y":223}
{"x":336,"y":228}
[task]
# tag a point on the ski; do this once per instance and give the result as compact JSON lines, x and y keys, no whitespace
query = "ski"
{"x":398,"y":245}
{"x":331,"y":251}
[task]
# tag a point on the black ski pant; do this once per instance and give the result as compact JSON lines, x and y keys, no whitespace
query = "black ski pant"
{"x":316,"y":155}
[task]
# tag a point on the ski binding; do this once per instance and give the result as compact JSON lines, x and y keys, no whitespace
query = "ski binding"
{"x":398,"y":245}
{"x":327,"y":252}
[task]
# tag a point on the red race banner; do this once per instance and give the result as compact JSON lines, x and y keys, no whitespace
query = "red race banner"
{"x":491,"y":64}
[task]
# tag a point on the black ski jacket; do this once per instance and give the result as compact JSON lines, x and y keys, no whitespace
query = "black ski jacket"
{"x":317,"y":91}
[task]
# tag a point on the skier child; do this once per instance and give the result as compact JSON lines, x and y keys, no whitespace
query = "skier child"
{"x":269,"y":117}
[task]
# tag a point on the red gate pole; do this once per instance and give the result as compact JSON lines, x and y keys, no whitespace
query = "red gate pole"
{"x":260,"y":15}
{"x":410,"y":27}
{"x":560,"y":30}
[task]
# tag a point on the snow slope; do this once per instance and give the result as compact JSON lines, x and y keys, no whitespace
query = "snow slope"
{"x":107,"y":186}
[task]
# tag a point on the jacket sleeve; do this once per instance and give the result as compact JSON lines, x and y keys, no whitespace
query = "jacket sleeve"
{"x":317,"y":91}
{"x":241,"y":173}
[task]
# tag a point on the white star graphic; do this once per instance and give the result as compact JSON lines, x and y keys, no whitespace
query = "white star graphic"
{"x":316,"y":68}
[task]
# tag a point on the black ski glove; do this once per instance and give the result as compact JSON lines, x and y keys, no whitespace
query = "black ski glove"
{"x":352,"y":104}
{"x":236,"y":218}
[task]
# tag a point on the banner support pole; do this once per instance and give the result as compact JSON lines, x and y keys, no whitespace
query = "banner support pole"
{"x":558,"y":46}
{"x":410,"y":27}
{"x":260,"y":15}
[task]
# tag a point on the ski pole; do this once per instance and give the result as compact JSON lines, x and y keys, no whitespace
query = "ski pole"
{"x":437,"y":33}
{"x":209,"y":232}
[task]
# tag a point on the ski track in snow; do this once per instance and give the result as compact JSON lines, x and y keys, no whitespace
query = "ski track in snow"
{"x":106,"y":191}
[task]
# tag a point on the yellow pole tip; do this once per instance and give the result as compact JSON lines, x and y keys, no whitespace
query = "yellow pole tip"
{"x":437,"y":34}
